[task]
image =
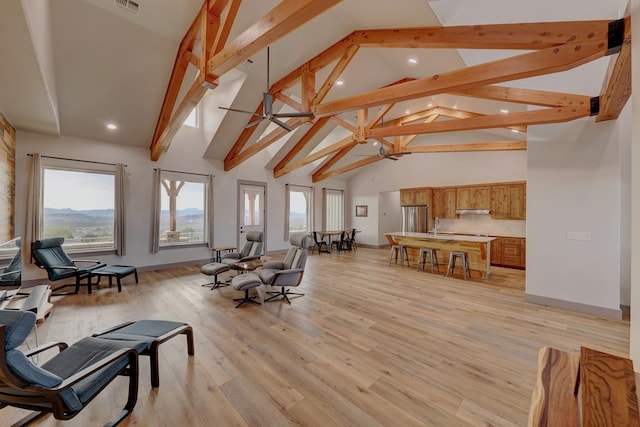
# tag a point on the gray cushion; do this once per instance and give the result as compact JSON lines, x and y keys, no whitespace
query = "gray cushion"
{"x":18,"y":326}
{"x":267,"y":275}
{"x":214,"y":268}
{"x":245,"y":281}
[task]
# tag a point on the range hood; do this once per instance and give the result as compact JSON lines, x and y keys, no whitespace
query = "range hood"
{"x":472,"y":211}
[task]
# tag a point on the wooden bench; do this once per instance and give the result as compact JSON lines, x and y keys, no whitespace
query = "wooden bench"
{"x":590,"y":389}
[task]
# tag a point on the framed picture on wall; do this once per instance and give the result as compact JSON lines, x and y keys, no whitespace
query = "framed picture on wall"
{"x":361,"y":210}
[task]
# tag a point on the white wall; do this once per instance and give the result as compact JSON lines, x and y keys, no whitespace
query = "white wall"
{"x":390,"y":215}
{"x":574,"y":173}
{"x":185,"y":154}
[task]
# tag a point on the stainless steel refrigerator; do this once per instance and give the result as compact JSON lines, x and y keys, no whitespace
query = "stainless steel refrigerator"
{"x":414,"y":219}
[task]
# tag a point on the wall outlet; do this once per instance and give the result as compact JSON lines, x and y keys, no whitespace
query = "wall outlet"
{"x":579,"y":235}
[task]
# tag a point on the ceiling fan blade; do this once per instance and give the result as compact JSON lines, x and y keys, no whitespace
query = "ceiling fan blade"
{"x":296,"y":114}
{"x":240,"y":111}
{"x":255,"y":122}
{"x":267,"y":101}
{"x":281,"y":124}
{"x":390,"y":157}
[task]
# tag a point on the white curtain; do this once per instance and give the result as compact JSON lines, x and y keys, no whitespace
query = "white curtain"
{"x":120,"y":218}
{"x":155,"y":212}
{"x":34,"y":222}
{"x":209,"y":211}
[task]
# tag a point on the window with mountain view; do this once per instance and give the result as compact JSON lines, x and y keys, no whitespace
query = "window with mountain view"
{"x":79,"y":206}
{"x":182,"y":209}
{"x":299,"y":207}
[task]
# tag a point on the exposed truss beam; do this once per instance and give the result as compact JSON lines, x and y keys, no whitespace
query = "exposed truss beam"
{"x":549,"y":115}
{"x":444,"y":148}
{"x":545,"y":61}
{"x":213,"y":24}
{"x":617,"y":83}
{"x":280,"y":21}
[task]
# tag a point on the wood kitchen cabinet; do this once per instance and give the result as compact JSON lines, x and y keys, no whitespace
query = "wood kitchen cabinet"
{"x":513,"y":252}
{"x":415,"y":196}
{"x":407,"y":197}
{"x":508,"y":201}
{"x":444,"y":203}
{"x":496,"y":251}
{"x":473,"y":197}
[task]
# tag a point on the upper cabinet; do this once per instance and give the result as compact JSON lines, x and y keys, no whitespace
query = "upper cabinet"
{"x":505,"y":200}
{"x":444,"y":203}
{"x":508,"y":201}
{"x":473,"y":197}
{"x":415,"y":196}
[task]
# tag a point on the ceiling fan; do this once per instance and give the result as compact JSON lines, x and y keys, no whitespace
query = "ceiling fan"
{"x":267,"y":109}
{"x":391,"y":156}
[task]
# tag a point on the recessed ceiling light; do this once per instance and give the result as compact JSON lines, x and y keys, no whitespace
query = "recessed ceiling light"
{"x":112,"y":126}
{"x":429,"y":105}
{"x":407,"y":111}
{"x":339,"y":82}
{"x":515,"y":131}
{"x":413,"y":61}
{"x":375,"y":143}
{"x":504,"y":111}
{"x":455,"y":107}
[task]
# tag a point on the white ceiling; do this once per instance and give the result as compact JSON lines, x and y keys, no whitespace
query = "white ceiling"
{"x":71,"y":66}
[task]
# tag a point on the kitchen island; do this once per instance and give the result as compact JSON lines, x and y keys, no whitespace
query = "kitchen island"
{"x":477,"y":247}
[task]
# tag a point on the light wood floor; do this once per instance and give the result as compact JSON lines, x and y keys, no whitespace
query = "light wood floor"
{"x":369,"y":345}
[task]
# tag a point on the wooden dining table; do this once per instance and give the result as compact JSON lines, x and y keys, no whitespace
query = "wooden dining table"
{"x":329,"y":234}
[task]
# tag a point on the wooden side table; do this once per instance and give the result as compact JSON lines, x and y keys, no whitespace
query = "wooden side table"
{"x":219,"y":250}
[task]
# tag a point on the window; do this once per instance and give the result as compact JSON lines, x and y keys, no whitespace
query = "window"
{"x":183,"y":213}
{"x":333,"y":200}
{"x":79,"y":205}
{"x":299,"y":210}
{"x":192,"y":118}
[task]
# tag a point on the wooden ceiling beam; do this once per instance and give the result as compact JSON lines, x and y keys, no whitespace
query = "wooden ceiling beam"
{"x":277,"y":23}
{"x":335,"y":73}
{"x":537,"y":117}
{"x":189,"y":102}
{"x":525,"y":96}
{"x":473,"y":146}
{"x":545,"y":61}
{"x":317,"y":177}
{"x":617,"y":84}
{"x":158,"y":143}
{"x":333,"y":160}
{"x":463,"y":114}
{"x":443,"y":148}
{"x":259,"y":145}
{"x":306,"y":138}
{"x":336,"y":146}
{"x":524,"y":36}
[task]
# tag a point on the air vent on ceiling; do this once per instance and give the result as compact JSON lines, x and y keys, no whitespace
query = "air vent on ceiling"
{"x":130,"y":5}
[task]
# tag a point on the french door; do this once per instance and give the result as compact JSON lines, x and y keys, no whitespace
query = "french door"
{"x":252,"y":209}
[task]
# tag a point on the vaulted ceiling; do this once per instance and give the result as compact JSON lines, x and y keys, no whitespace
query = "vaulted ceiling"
{"x":471,"y":70}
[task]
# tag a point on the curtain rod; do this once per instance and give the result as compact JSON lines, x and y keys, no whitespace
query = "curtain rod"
{"x":77,"y":160}
{"x":188,"y":173}
{"x":332,"y":189}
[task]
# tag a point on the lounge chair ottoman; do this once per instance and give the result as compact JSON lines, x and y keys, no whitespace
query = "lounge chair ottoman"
{"x":244,"y":282}
{"x":111,"y":271}
{"x":213,"y":269}
{"x":152,"y":333}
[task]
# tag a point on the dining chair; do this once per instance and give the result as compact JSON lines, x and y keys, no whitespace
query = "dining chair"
{"x":319,"y":243}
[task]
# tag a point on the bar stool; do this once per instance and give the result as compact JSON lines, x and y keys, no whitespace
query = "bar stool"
{"x":433,"y":258}
{"x":402,"y":250}
{"x":452,"y":262}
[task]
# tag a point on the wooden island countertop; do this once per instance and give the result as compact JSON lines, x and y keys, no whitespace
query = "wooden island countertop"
{"x":477,"y":247}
